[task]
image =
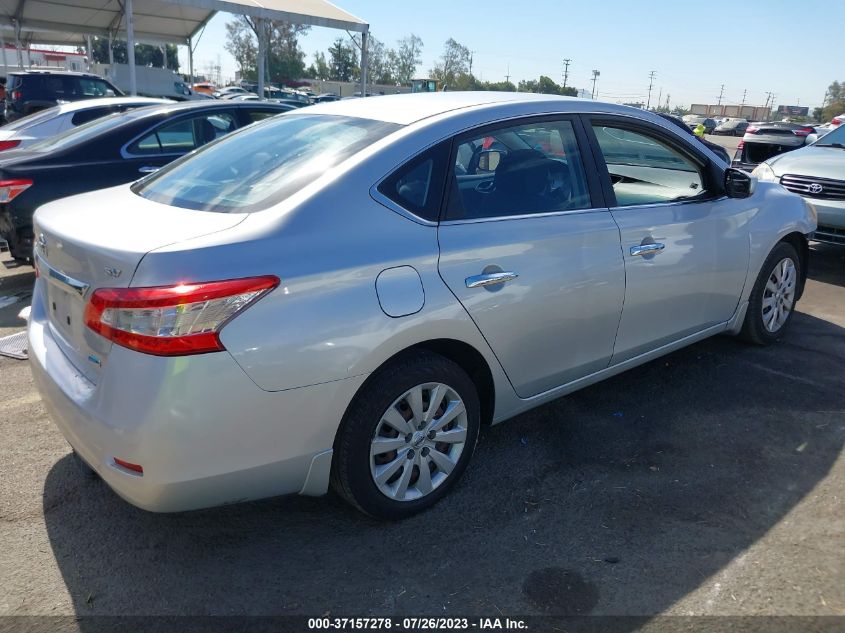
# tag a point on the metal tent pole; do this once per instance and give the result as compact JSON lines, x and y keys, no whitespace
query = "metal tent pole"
{"x":130,"y":46}
{"x":364,"y":38}
{"x":261,"y":32}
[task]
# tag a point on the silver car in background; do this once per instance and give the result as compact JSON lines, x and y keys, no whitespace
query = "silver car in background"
{"x":343,"y":295}
{"x":47,"y":123}
{"x":816,"y":172}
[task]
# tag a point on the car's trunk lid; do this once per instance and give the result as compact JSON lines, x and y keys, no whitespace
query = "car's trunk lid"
{"x":96,"y":240}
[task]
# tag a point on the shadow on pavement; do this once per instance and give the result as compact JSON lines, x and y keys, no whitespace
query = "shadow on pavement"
{"x":619,"y":499}
{"x":827,"y":263}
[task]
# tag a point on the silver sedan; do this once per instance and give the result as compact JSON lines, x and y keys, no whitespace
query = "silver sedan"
{"x":343,"y":295}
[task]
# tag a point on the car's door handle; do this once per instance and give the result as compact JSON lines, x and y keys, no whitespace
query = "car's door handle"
{"x":647,"y":249}
{"x":490,"y":279}
{"x":148,"y":169}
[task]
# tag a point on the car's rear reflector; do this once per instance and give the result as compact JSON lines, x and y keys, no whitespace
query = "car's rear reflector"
{"x":804,"y":131}
{"x":11,"y":189}
{"x":135,"y":468}
{"x":173,"y":320}
{"x":4,"y":145}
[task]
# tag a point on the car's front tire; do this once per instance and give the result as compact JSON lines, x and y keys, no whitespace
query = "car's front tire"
{"x":773,"y":298}
{"x":407,"y":437}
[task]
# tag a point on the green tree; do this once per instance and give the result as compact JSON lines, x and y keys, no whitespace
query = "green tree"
{"x":379,"y":63}
{"x":243,"y":46}
{"x":835,"y":103}
{"x":453,"y":68}
{"x":406,"y":58}
{"x":145,"y":54}
{"x":343,"y":60}
{"x":546,"y":85}
{"x":319,"y":69}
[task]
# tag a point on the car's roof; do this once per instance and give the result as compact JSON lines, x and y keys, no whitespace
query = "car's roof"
{"x":70,"y":73}
{"x":86,"y":104}
{"x":405,"y":109}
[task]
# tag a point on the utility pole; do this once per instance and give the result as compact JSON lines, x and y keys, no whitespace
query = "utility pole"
{"x":721,"y":93}
{"x":660,"y":96}
{"x":595,"y":76}
{"x":566,"y":63}
{"x":744,"y":92}
{"x":471,"y":54}
{"x":650,"y":84}
{"x":508,"y":76}
{"x":667,"y":100}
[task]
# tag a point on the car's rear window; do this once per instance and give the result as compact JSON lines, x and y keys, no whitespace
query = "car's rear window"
{"x":79,"y":134}
{"x":263,"y":164}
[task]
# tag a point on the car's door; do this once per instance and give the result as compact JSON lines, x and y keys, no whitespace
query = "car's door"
{"x":531,"y":251}
{"x":685,"y":244}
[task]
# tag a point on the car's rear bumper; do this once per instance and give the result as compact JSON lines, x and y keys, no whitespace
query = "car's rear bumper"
{"x":203,"y":432}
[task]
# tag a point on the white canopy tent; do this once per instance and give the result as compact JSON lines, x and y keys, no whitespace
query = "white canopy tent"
{"x":70,"y":22}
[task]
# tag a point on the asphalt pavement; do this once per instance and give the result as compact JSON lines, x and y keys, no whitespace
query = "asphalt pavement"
{"x":708,"y":482}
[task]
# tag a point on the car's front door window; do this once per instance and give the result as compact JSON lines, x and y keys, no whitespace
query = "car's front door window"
{"x":644,"y":169}
{"x":518,"y":170}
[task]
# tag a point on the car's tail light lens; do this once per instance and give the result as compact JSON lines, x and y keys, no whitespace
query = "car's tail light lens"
{"x":836,"y":120}
{"x":751,"y":130}
{"x":172,"y":320}
{"x":17,"y":95}
{"x":803,"y":131}
{"x":740,"y":145}
{"x":4,"y":145}
{"x":11,"y":189}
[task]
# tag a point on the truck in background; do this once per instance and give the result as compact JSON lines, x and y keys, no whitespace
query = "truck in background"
{"x":149,"y":82}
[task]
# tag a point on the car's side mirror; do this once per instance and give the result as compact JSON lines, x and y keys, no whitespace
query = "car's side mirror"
{"x":489,"y":159}
{"x":738,"y":184}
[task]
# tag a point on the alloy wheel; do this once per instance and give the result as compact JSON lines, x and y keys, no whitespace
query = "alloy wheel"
{"x":779,"y":295}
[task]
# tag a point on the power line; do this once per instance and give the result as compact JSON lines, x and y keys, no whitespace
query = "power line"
{"x":650,"y":84}
{"x":566,"y":63}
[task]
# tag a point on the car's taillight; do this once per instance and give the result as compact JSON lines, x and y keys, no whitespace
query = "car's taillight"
{"x":751,"y":130}
{"x":172,"y":320}
{"x":17,"y":95}
{"x":836,"y":121}
{"x":803,"y":131}
{"x":11,"y":189}
{"x":8,"y":145}
{"x":740,"y":145}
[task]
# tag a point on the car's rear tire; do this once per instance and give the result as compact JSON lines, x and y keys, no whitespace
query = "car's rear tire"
{"x":773,"y":298}
{"x":407,"y":437}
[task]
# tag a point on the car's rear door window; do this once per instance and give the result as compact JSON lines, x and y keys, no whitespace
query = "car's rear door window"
{"x":645,"y":169}
{"x":184,"y":135}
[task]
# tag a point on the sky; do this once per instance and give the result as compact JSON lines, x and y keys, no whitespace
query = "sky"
{"x":694,"y":48}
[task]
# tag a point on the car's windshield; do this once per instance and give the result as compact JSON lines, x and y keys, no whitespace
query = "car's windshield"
{"x":263,"y":164}
{"x":31,"y":120}
{"x":78,"y":134}
{"x":835,"y":136}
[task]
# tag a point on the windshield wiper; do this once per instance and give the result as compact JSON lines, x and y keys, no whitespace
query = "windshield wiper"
{"x":837,"y":145}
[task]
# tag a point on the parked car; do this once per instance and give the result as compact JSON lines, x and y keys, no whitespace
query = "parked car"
{"x":230,"y":90}
{"x":109,"y":151}
{"x":29,"y":91}
{"x":228,"y":96}
{"x":52,"y":121}
{"x":324,"y":98}
{"x":764,"y":140}
{"x":348,"y":293}
{"x":720,"y":151}
{"x":816,"y":172}
{"x":731,"y":127}
{"x":692,"y":122}
{"x":205,"y":88}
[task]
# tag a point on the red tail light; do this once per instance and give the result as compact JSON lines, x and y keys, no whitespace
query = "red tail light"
{"x":172,"y":320}
{"x":17,"y":95}
{"x":8,"y":145}
{"x":11,"y":189}
{"x":740,"y":145}
{"x":752,"y":130}
{"x":804,"y":131}
{"x":836,"y":121}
